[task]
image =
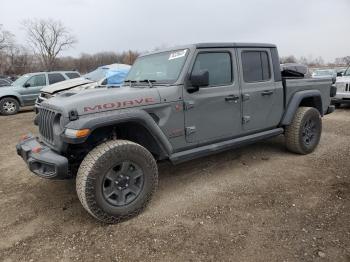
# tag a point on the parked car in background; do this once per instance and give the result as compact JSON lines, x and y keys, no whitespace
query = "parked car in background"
{"x":324,"y":73}
{"x":104,"y":76}
{"x":5,"y":82}
{"x":343,"y":89}
{"x":25,"y":90}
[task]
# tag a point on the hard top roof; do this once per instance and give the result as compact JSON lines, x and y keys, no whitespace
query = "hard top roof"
{"x":214,"y":45}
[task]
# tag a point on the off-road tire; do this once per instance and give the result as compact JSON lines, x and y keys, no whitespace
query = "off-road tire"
{"x":294,"y":133}
{"x":10,"y":101}
{"x":96,"y":164}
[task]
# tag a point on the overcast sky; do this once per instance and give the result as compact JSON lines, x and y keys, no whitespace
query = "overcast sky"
{"x":298,"y":27}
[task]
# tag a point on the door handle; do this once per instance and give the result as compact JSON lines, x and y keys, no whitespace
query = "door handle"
{"x":231,"y":98}
{"x":267,"y":93}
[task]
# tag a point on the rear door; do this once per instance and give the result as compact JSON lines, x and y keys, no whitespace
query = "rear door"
{"x":262,"y":97}
{"x":213,"y":112}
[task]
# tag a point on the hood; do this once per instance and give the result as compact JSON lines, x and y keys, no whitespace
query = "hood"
{"x":104,"y":99}
{"x":6,"y":89}
{"x":65,"y":85}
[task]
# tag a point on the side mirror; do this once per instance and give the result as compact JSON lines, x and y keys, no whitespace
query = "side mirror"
{"x":26,"y":85}
{"x":339,"y":74}
{"x":199,"y":80}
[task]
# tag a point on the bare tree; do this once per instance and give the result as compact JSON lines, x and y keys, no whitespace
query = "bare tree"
{"x":6,"y":38}
{"x":48,"y":38}
{"x":129,"y":57}
{"x":342,"y":60}
{"x":19,"y":60}
{"x":288,"y":59}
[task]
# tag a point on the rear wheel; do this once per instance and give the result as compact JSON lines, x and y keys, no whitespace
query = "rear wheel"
{"x":304,"y":133}
{"x":9,"y":106}
{"x":116,"y":180}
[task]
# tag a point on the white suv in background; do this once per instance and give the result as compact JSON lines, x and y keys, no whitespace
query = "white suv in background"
{"x":343,"y":89}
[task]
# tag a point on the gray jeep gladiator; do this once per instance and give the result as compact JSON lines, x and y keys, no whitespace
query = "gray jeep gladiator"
{"x":175,"y":105}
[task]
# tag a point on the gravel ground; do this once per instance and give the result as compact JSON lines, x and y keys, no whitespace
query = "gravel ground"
{"x":259,"y":203}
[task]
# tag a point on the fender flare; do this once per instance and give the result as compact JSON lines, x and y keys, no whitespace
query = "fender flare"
{"x":110,"y":118}
{"x":12,"y":94}
{"x":295,"y":101}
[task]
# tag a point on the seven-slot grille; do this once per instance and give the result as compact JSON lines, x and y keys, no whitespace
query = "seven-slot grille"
{"x":45,"y":120}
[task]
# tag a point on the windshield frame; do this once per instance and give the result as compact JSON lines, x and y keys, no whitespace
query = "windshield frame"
{"x":347,"y":72}
{"x":20,"y":81}
{"x":160,"y":82}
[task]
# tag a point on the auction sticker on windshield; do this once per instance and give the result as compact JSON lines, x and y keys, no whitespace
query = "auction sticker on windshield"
{"x":177,"y":54}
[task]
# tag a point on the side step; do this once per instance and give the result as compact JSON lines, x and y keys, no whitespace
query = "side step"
{"x":222,"y":146}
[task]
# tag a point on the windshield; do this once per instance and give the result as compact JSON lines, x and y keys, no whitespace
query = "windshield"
{"x":347,"y":72}
{"x":161,"y":67}
{"x":97,"y":74}
{"x":20,"y":81}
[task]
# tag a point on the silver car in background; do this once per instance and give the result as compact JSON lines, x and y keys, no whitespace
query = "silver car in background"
{"x":324,"y":73}
{"x":104,"y":76}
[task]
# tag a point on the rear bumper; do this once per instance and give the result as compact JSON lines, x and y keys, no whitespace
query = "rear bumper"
{"x":338,"y":100}
{"x":41,"y":160}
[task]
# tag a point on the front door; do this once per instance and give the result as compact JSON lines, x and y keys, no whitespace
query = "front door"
{"x":31,"y":89}
{"x":213,"y":112}
{"x":262,"y":97}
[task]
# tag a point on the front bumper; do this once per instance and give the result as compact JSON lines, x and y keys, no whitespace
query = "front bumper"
{"x":42,"y":160}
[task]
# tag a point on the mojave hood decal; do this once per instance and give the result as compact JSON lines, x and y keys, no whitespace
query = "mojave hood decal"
{"x":104,"y":99}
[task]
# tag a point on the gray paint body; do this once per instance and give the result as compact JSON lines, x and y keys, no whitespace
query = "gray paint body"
{"x":198,"y":122}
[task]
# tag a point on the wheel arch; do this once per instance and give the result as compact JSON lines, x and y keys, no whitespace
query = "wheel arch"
{"x":137,"y":126}
{"x":14,"y":97}
{"x":307,"y":98}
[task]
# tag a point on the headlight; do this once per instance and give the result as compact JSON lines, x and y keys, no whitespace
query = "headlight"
{"x":72,"y":133}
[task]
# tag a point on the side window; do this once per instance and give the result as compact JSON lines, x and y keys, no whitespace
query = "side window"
{"x":55,"y":77}
{"x":256,"y":66}
{"x":38,"y":80}
{"x":219,"y":66}
{"x":72,"y":75}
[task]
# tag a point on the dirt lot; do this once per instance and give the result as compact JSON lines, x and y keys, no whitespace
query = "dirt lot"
{"x":259,"y":203}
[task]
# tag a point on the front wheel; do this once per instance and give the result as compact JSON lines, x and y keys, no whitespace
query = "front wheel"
{"x":116,"y":180}
{"x":9,"y":106}
{"x":304,"y":133}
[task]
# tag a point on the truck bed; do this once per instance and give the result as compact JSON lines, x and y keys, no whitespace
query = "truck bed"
{"x":300,"y":84}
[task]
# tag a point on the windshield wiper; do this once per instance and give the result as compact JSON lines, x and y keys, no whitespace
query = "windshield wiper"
{"x":150,"y":82}
{"x":130,"y":82}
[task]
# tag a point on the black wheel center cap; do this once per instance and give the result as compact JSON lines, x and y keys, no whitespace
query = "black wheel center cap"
{"x":123,"y":183}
